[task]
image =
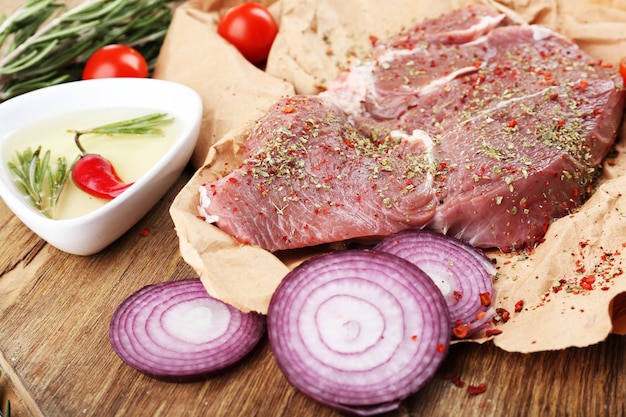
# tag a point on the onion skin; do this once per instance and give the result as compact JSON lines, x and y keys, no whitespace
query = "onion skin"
{"x":461,"y":272}
{"x":358,"y":330}
{"x":176,"y":331}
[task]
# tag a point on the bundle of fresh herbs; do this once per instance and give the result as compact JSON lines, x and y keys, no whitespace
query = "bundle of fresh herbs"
{"x":46,"y":42}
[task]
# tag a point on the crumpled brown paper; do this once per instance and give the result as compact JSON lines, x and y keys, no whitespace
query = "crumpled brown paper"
{"x":317,"y":39}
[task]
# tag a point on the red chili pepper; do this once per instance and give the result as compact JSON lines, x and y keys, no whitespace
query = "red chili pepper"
{"x":96,"y":176}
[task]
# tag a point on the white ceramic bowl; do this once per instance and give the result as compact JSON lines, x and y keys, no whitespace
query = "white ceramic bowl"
{"x":92,"y":232}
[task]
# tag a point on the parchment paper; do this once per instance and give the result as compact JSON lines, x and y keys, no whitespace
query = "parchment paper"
{"x":562,"y":305}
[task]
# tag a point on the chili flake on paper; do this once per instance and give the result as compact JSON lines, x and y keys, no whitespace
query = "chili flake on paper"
{"x":600,"y":276}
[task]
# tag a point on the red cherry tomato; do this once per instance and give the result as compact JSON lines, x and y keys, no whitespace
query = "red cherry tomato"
{"x":115,"y":61}
{"x":251,"y":29}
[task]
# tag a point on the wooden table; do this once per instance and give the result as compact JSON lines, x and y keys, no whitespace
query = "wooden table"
{"x":56,"y":358}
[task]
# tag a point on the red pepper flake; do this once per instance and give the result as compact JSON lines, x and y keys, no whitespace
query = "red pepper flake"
{"x":457,"y":295}
{"x":485,"y":299}
{"x":441,"y":348}
{"x":233,"y":180}
{"x":414,"y":337}
{"x":519,"y":306}
{"x":476,"y":389}
{"x":587,"y":282}
{"x":503,"y":315}
{"x":144,"y":232}
{"x":455,"y":379}
{"x":513,"y":123}
{"x":583,"y":84}
{"x":288,"y":109}
{"x":580,"y":267}
{"x":492,"y":332}
{"x":460,"y":332}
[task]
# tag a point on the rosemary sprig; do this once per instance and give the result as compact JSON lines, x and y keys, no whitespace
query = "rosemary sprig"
{"x":44,"y":43}
{"x":43,"y":184}
{"x":143,"y":125}
{"x":40,"y":183}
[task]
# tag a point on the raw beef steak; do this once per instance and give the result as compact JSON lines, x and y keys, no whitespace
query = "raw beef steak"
{"x":309,"y":175}
{"x":463,"y":124}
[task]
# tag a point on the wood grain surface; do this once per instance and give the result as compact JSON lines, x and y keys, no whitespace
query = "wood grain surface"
{"x":57,"y":362}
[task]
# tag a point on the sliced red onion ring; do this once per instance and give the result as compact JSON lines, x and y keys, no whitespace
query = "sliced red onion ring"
{"x":175,"y":330}
{"x":462,"y":273}
{"x":358,"y":330}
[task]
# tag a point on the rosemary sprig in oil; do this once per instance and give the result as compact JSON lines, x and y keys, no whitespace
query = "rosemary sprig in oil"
{"x":143,"y":125}
{"x":38,"y":181}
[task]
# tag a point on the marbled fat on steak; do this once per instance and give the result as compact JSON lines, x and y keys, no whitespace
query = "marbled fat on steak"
{"x":463,"y":124}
